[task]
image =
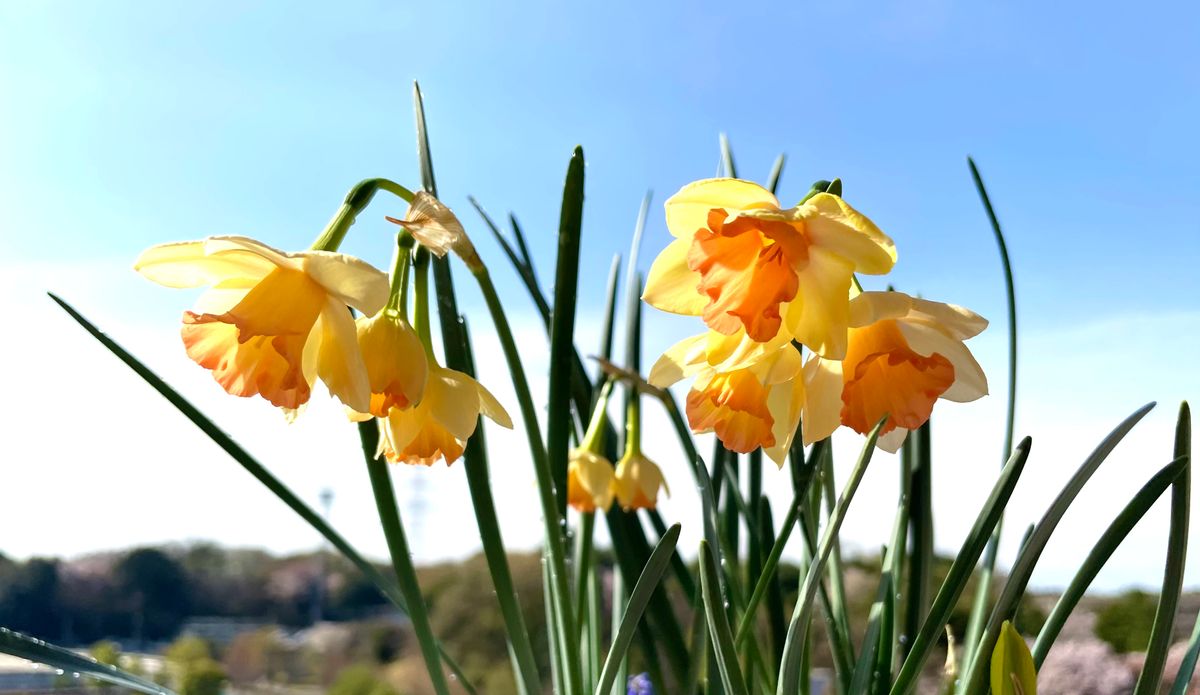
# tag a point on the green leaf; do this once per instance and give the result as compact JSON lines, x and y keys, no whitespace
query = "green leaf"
{"x":865,"y":671}
{"x":920,"y":524}
{"x":789,"y":670}
{"x":562,"y":331}
{"x":256,"y":469}
{"x":1022,"y":569}
{"x":1109,"y":541}
{"x":983,"y":587}
{"x":718,"y":625}
{"x":25,"y":647}
{"x":1012,"y":665}
{"x":728,"y":168}
{"x":960,"y":571}
{"x":776,"y":172}
{"x":767,"y":576}
{"x":397,"y":541}
{"x":1172,"y":585}
{"x":651,"y":575}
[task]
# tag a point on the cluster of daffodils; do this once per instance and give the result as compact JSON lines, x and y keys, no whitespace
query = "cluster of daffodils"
{"x":272,"y":323}
{"x":592,"y":482}
{"x":769,"y":283}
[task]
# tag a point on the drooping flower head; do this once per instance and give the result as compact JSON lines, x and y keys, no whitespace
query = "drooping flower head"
{"x":590,"y":477}
{"x":439,"y":426}
{"x":749,"y":393}
{"x":904,"y":353}
{"x":590,"y":481}
{"x":744,"y":264}
{"x":272,"y":322}
{"x":395,"y":362}
{"x":638,"y":480}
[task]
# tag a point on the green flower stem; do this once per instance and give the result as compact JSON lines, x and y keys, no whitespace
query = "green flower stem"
{"x":398,"y":294}
{"x":406,"y":574}
{"x":356,"y":201}
{"x":567,"y":632}
{"x":421,"y":300}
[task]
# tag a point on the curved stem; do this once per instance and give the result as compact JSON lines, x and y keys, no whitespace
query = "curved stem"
{"x":356,"y":201}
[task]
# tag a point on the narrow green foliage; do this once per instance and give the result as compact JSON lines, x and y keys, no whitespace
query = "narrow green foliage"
{"x":718,"y":626}
{"x":475,"y":461}
{"x":984,"y":585}
{"x":562,"y":331}
{"x":766,"y":576}
{"x":960,"y":571}
{"x":728,"y":168}
{"x":789,"y":670}
{"x":254,"y":468}
{"x":1109,"y":541}
{"x":920,"y":526}
{"x":1011,"y":665}
{"x":1177,"y":540}
{"x":642,"y":591}
{"x":776,"y":173}
{"x":25,"y":647}
{"x":974,"y":675}
{"x":397,"y":541}
{"x":865,"y":671}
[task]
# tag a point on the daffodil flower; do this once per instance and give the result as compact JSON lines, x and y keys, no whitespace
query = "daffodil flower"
{"x":272,"y":322}
{"x":749,"y":393}
{"x":395,"y":361}
{"x":744,"y":264}
{"x":439,"y":426}
{"x":904,"y":353}
{"x":590,"y":481}
{"x":638,"y":480}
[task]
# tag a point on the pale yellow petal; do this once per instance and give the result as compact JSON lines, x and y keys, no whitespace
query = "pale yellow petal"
{"x":671,"y":286}
{"x":687,"y":210}
{"x":970,"y":383}
{"x":785,"y":401}
{"x":681,"y":360}
{"x":869,"y":307}
{"x":819,"y":315}
{"x":784,"y":364}
{"x":892,"y":441}
{"x":453,"y":400}
{"x":834,"y":225}
{"x":218,"y":300}
{"x":192,"y":264}
{"x":959,"y":322}
{"x":352,"y":281}
{"x":490,"y":406}
{"x":402,"y":426}
{"x":822,"y":413}
{"x":339,"y":363}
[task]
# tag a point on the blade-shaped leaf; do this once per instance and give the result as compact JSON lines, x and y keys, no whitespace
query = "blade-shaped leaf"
{"x":660,"y":559}
{"x":789,"y":670}
{"x":718,"y":626}
{"x":960,"y":571}
{"x":388,"y":587}
{"x":36,"y":650}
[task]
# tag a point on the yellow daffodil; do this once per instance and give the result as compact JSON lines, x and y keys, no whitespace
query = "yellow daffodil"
{"x":442,"y":422}
{"x":638,"y":480}
{"x":749,"y":393}
{"x":272,"y":322}
{"x":904,"y":353}
{"x":744,"y":264}
{"x":395,"y":361}
{"x":590,"y":481}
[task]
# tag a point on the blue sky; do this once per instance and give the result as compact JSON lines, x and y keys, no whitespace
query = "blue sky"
{"x":126,"y":124}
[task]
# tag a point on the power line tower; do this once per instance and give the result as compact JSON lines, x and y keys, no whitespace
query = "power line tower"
{"x":318,"y":607}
